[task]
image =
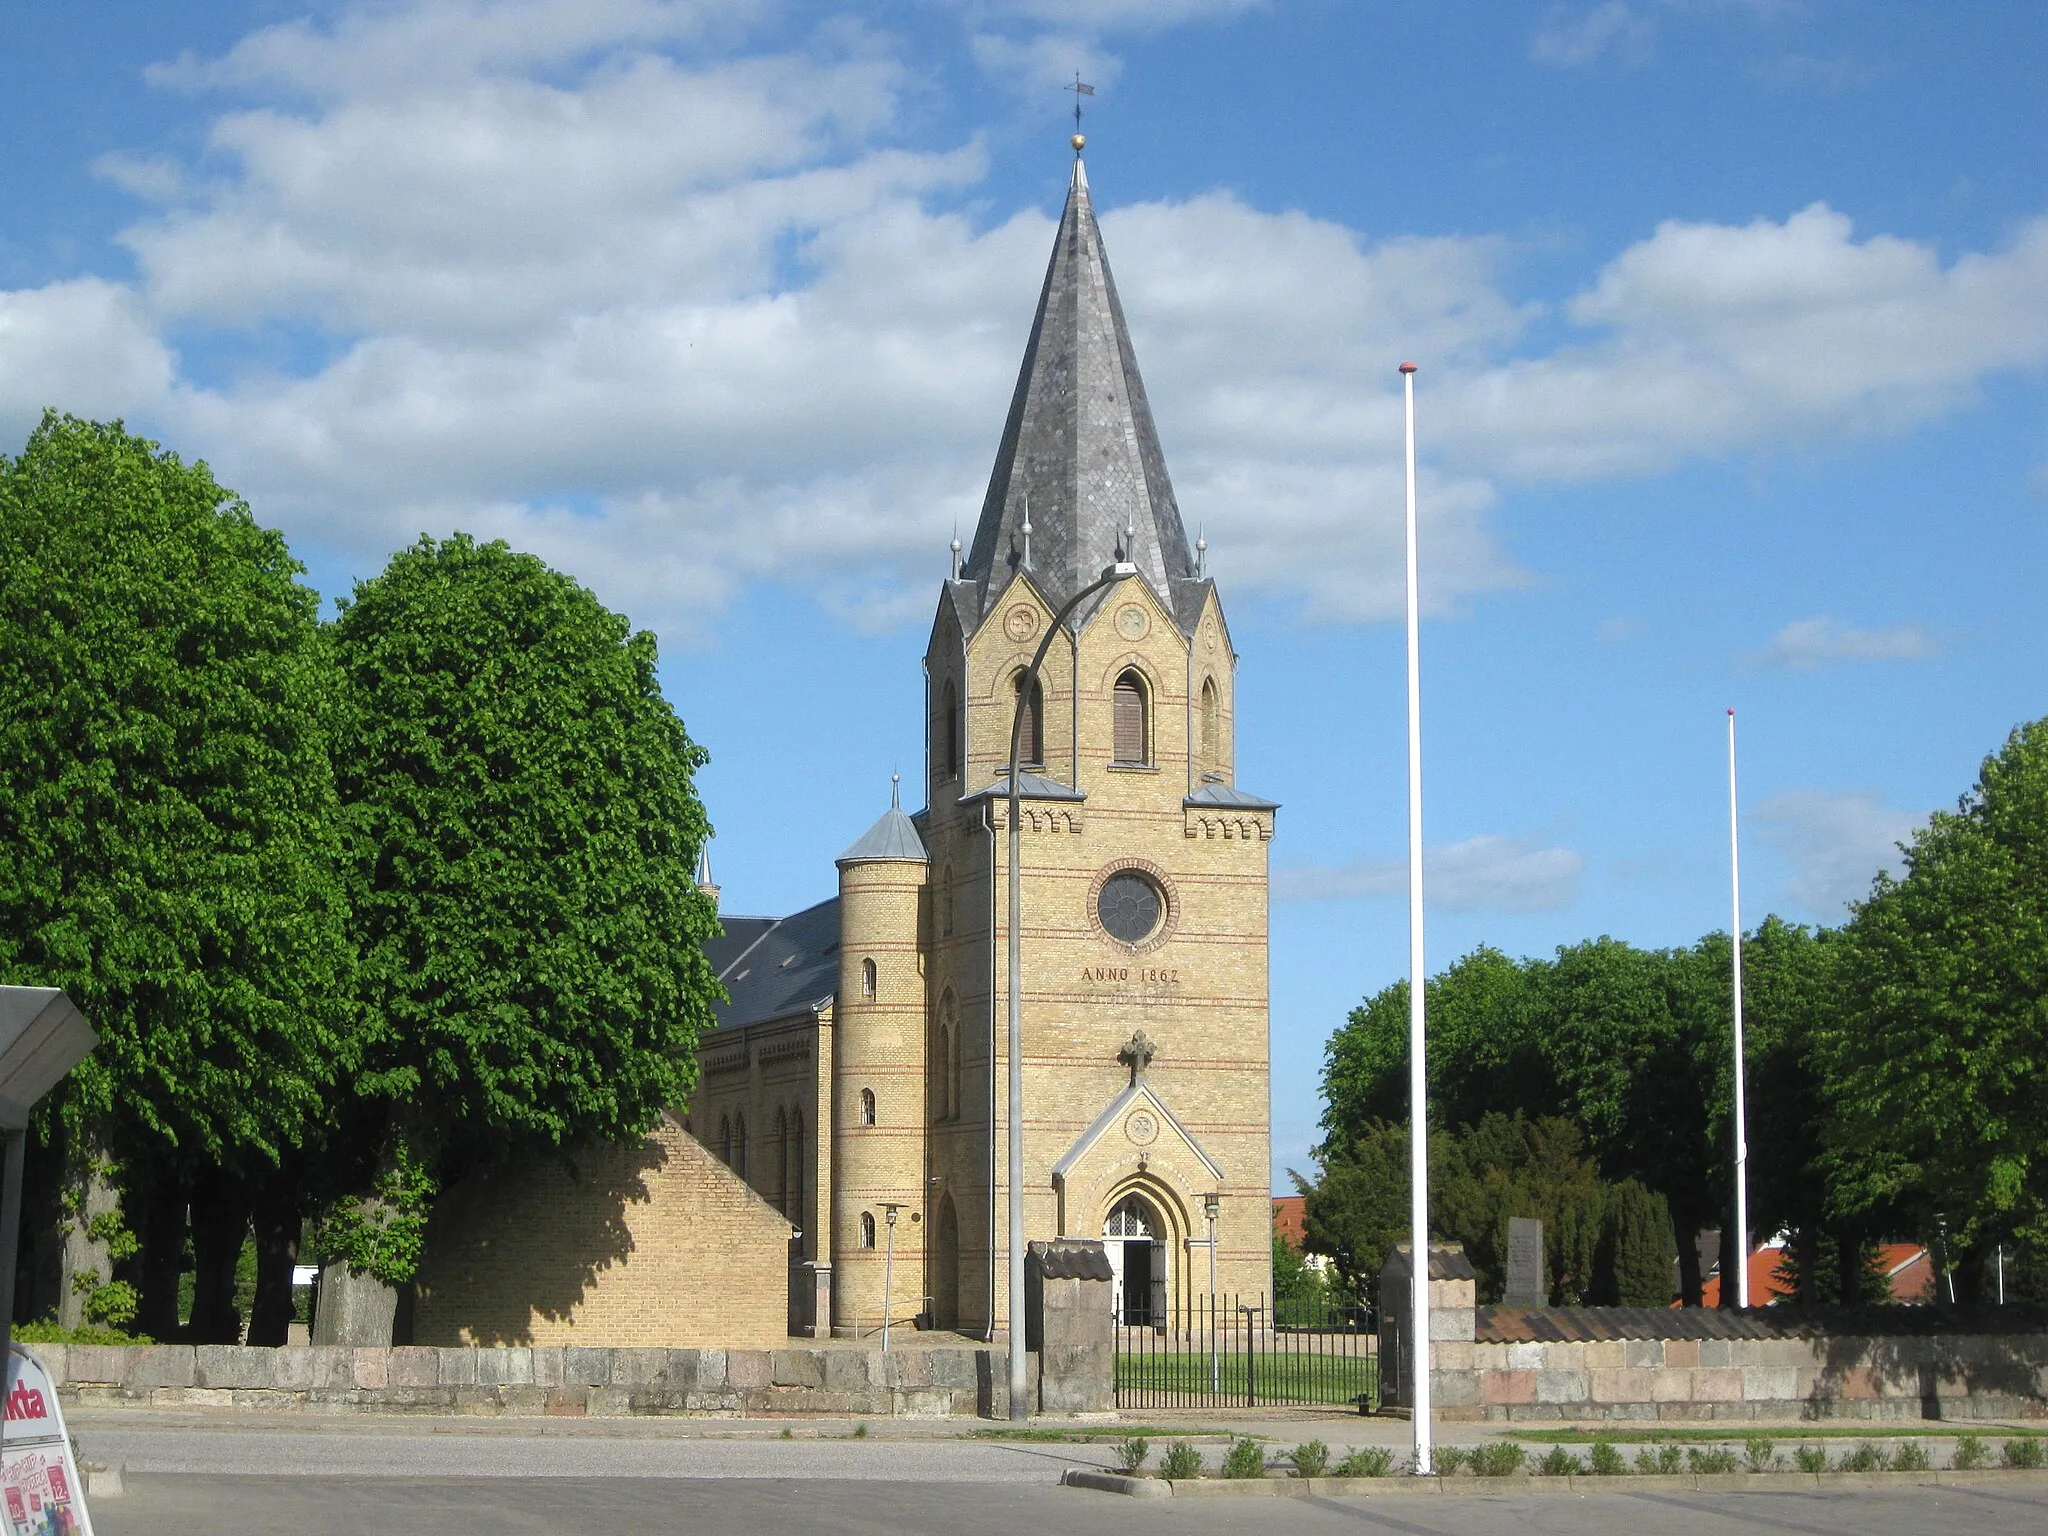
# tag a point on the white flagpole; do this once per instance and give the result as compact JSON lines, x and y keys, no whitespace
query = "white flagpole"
{"x":1741,"y":1114}
{"x":1418,"y":1123}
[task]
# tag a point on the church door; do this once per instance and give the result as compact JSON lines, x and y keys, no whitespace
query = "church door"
{"x":1136,"y":1261}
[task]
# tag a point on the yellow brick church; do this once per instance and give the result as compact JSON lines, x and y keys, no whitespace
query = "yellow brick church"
{"x":856,"y":1079}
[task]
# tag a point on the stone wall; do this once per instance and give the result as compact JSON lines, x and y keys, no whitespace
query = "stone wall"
{"x":566,"y":1381}
{"x":1542,"y":1363}
{"x":654,"y":1244}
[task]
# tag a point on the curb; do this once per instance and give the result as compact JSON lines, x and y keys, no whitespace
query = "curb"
{"x":1398,"y":1486}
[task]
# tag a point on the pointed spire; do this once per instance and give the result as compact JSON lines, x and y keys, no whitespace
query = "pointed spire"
{"x":895,"y":791}
{"x":706,"y":886}
{"x":1080,"y":459}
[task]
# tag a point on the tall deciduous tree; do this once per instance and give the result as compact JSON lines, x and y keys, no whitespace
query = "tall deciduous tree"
{"x":168,"y":816}
{"x":1941,"y":1061}
{"x":522,"y":828}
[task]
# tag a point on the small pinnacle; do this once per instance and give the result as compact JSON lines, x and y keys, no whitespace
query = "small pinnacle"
{"x":895,"y":792}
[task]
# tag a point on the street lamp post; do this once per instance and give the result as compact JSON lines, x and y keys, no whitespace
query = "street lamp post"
{"x":890,"y":1208}
{"x":1019,"y":1409}
{"x":1210,"y":1203}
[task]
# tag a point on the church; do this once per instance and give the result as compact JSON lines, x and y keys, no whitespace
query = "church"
{"x":856,"y":1080}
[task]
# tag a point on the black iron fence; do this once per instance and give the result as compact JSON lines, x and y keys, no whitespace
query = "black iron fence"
{"x":1232,"y":1351}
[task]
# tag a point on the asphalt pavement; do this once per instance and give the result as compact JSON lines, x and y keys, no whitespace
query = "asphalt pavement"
{"x":187,"y":1505}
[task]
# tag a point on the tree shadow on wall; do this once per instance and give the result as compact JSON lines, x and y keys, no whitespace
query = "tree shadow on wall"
{"x":514,"y":1245}
{"x":1964,"y":1362}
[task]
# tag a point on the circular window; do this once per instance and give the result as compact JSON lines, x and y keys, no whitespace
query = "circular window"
{"x":1129,"y":907}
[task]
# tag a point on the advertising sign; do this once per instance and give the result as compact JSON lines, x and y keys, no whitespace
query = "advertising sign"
{"x":41,"y":1492}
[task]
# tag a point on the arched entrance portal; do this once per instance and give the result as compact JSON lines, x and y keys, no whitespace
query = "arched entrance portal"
{"x":946,"y":1267}
{"x":1137,"y":1261}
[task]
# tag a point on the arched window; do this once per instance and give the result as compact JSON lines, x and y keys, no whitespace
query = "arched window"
{"x":1131,"y":1218}
{"x":949,"y":732}
{"x":781,"y":1162}
{"x":942,"y":1073}
{"x":867,"y":1229}
{"x":725,"y":1140}
{"x":1031,"y":741}
{"x":867,"y":981}
{"x":1211,"y":725}
{"x":1132,"y":737}
{"x":867,"y":1106}
{"x":739,"y":1146}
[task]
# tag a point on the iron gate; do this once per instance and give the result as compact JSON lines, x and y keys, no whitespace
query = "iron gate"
{"x":1235,"y":1352}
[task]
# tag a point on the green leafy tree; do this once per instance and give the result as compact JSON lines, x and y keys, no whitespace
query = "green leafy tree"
{"x":169,"y":816}
{"x":522,"y":828}
{"x":1642,"y":1252}
{"x":1941,"y":1097}
{"x":1358,"y":1204}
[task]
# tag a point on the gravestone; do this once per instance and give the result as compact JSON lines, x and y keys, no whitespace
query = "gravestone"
{"x":1526,"y":1287}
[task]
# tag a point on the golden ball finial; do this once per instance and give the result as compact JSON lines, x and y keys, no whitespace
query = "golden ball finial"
{"x":1080,"y":143}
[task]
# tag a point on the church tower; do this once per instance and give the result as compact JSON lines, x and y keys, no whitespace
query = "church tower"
{"x":1144,"y":867}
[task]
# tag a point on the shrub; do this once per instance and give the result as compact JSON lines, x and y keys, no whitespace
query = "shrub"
{"x":1499,"y":1459}
{"x":1811,"y":1458}
{"x":1132,"y":1453}
{"x":1970,"y":1453}
{"x":1559,"y":1463}
{"x":1867,"y":1457}
{"x":860,"y":1430}
{"x":1910,"y":1457}
{"x":1719,"y":1459}
{"x":1182,"y":1462}
{"x":1761,"y":1454}
{"x":47,"y":1332}
{"x":1607,"y":1460}
{"x":1244,"y":1459}
{"x":1367,"y":1461}
{"x":1311,"y":1459}
{"x":2023,"y":1453}
{"x":1451,"y":1459}
{"x":1653,"y":1460}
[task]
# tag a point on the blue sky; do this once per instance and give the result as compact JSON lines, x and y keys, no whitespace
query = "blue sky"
{"x":1732,"y":320}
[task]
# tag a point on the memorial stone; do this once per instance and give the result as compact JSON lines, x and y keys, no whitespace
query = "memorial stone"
{"x":1526,"y":1287}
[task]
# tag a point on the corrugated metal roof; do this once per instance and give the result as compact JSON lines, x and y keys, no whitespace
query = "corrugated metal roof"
{"x":1583,"y":1325}
{"x":792,"y":965}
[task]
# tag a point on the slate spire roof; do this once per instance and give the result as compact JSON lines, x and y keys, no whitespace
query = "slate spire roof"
{"x":1080,"y":457}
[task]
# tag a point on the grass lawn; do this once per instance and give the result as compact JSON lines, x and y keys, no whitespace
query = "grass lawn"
{"x":1277,"y":1378}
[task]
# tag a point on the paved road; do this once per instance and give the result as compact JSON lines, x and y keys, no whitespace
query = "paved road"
{"x":409,"y":1453}
{"x":174,"y":1505}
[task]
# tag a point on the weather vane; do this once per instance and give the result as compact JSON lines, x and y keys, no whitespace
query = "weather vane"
{"x":1079,"y":90}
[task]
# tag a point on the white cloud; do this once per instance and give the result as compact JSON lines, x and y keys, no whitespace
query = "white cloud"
{"x":85,"y":346}
{"x":682,"y":316}
{"x":1488,"y":873}
{"x":1122,"y":15}
{"x":1835,"y":843}
{"x":1722,"y":338}
{"x":1612,"y":27}
{"x":1036,"y":66}
{"x":1809,"y":644}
